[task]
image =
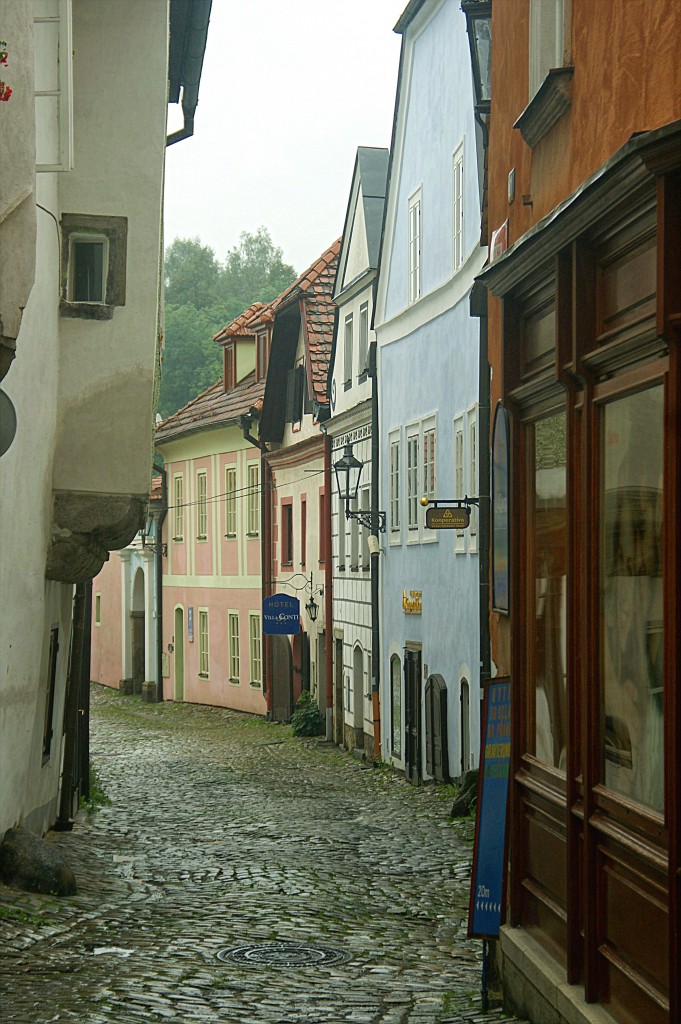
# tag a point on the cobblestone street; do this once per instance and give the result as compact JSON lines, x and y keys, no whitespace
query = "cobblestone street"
{"x":222,"y":831}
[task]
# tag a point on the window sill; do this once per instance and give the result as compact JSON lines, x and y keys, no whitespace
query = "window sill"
{"x":347,"y":385}
{"x":547,"y":106}
{"x":86,"y":310}
{"x":178,"y":540}
{"x":234,"y":682}
{"x":249,"y":535}
{"x":256,"y":686}
{"x":203,"y":538}
{"x":203,"y":675}
{"x":230,"y":536}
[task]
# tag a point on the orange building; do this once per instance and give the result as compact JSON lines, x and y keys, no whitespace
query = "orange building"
{"x":584,"y":335}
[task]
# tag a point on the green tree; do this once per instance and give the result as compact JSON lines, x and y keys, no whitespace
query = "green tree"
{"x":202,"y":296}
{"x":192,"y":274}
{"x":255,"y":269}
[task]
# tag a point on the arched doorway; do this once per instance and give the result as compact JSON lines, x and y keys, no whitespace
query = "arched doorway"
{"x":178,"y":693}
{"x":358,"y":695}
{"x":395,"y":706}
{"x":437,"y":757}
{"x":137,"y":631}
{"x":465,"y":727}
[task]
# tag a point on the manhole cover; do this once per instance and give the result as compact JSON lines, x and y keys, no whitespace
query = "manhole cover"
{"x":282,"y":954}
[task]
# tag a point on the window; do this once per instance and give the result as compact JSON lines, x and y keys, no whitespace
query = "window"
{"x":394,"y":485}
{"x":457,"y":210}
{"x":322,"y":528}
{"x":88,"y":265}
{"x":98,"y":609}
{"x":347,"y":352}
{"x":472,"y":426}
{"x":547,"y":33}
{"x":459,"y":477}
{"x":93,"y":270}
{"x":230,"y":501}
{"x":203,"y":643}
{"x":178,"y":508}
{"x":201,"y":506}
{"x":287,"y":533}
{"x":429,"y":462}
{"x":415,"y":246}
{"x":295,"y":387}
{"x":53,"y":85}
{"x":303,"y":532}
{"x":262,"y":354}
{"x":364,"y":539}
{"x":233,"y":635}
{"x":413,"y":482}
{"x":51,"y":688}
{"x":342,"y":526}
{"x":255,"y":648}
{"x":253,"y":499}
{"x":363,"y":340}
{"x":229,"y":363}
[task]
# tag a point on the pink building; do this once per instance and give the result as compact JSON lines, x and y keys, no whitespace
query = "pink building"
{"x":212,"y":592}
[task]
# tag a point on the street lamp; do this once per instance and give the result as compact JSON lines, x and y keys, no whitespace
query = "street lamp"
{"x":479,"y":27}
{"x":148,"y":534}
{"x":312,"y":608}
{"x":348,"y":471}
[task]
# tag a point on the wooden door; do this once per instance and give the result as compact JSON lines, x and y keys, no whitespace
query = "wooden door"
{"x":282,"y":679}
{"x":437,"y":758}
{"x":412,"y":723}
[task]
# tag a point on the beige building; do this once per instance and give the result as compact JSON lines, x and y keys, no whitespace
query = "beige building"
{"x":81,"y":190}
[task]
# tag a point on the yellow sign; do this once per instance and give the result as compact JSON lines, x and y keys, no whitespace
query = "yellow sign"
{"x":411,"y":602}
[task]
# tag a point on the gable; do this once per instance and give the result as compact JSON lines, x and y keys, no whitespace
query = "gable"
{"x":357,"y":258}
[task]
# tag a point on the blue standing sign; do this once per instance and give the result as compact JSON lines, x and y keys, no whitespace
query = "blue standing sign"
{"x":280,"y":614}
{"x":489,"y":857}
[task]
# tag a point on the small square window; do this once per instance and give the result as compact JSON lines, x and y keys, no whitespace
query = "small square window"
{"x":93,"y":270}
{"x":87,"y":267}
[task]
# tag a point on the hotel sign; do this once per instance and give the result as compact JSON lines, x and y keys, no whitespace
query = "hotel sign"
{"x":411,"y":602}
{"x":448,"y":517}
{"x":280,"y":615}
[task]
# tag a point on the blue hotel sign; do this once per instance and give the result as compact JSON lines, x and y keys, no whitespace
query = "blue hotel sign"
{"x":489,"y":856}
{"x":281,"y":614}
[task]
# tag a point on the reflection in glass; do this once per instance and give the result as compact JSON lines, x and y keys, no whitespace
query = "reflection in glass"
{"x":550,"y":563}
{"x":631,"y":595}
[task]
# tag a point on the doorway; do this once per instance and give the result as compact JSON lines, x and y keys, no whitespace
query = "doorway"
{"x":412,"y":721}
{"x":465,"y":727}
{"x":137,"y":630}
{"x":178,"y":693}
{"x":282,"y":679}
{"x":338,"y":715}
{"x":358,"y":695}
{"x":437,"y":752}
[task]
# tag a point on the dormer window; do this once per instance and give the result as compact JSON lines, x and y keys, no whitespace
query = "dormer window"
{"x":262,"y":354}
{"x":229,"y":367}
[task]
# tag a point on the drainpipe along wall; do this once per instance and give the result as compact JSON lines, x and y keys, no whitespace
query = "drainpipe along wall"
{"x":245,"y":423}
{"x":375,"y":555}
{"x":159,"y":579}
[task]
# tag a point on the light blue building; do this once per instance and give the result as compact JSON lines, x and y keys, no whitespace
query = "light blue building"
{"x":428,"y":359}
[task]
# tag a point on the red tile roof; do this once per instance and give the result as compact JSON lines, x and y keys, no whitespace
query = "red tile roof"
{"x":213,"y":408}
{"x":257,"y":314}
{"x":314,"y":288}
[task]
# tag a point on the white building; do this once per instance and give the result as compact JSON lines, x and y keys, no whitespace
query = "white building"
{"x":81,"y":188}
{"x":350,"y":397}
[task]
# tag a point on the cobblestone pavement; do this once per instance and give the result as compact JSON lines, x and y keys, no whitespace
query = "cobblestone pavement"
{"x":224,"y":830}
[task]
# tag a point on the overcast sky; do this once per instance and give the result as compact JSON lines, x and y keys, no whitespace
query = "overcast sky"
{"x":290,"y":89}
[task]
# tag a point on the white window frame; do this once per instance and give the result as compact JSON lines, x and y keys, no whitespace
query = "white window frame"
{"x":363,"y":364}
{"x":459,"y":476}
{"x":549,"y":28}
{"x":204,"y":644}
{"x":348,"y":331}
{"x":413,"y":480}
{"x":472,"y":439}
{"x":233,"y":642}
{"x":414,"y":250}
{"x":458,"y":250}
{"x":230,"y":500}
{"x":59,"y":13}
{"x":178,"y":507}
{"x":255,"y":648}
{"x":253,"y":499}
{"x":394,"y":504}
{"x":202,"y":504}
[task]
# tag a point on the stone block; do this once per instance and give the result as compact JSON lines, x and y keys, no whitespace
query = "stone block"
{"x":30,"y":863}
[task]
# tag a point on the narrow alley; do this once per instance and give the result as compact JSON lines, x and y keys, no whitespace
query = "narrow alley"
{"x":225,"y":832}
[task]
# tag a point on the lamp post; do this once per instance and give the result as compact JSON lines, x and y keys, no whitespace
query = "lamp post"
{"x":148,"y":536}
{"x":348,"y":472}
{"x":479,"y":27}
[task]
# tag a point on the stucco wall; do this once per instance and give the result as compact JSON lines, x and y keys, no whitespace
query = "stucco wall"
{"x":105,"y":657}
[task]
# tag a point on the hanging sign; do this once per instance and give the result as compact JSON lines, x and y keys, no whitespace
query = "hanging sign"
{"x":411,"y":602}
{"x":448,"y":517}
{"x":190,"y":624}
{"x":280,"y":614}
{"x":489,"y":854}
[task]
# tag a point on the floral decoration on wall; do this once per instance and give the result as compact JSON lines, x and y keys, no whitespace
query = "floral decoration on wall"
{"x":5,"y":90}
